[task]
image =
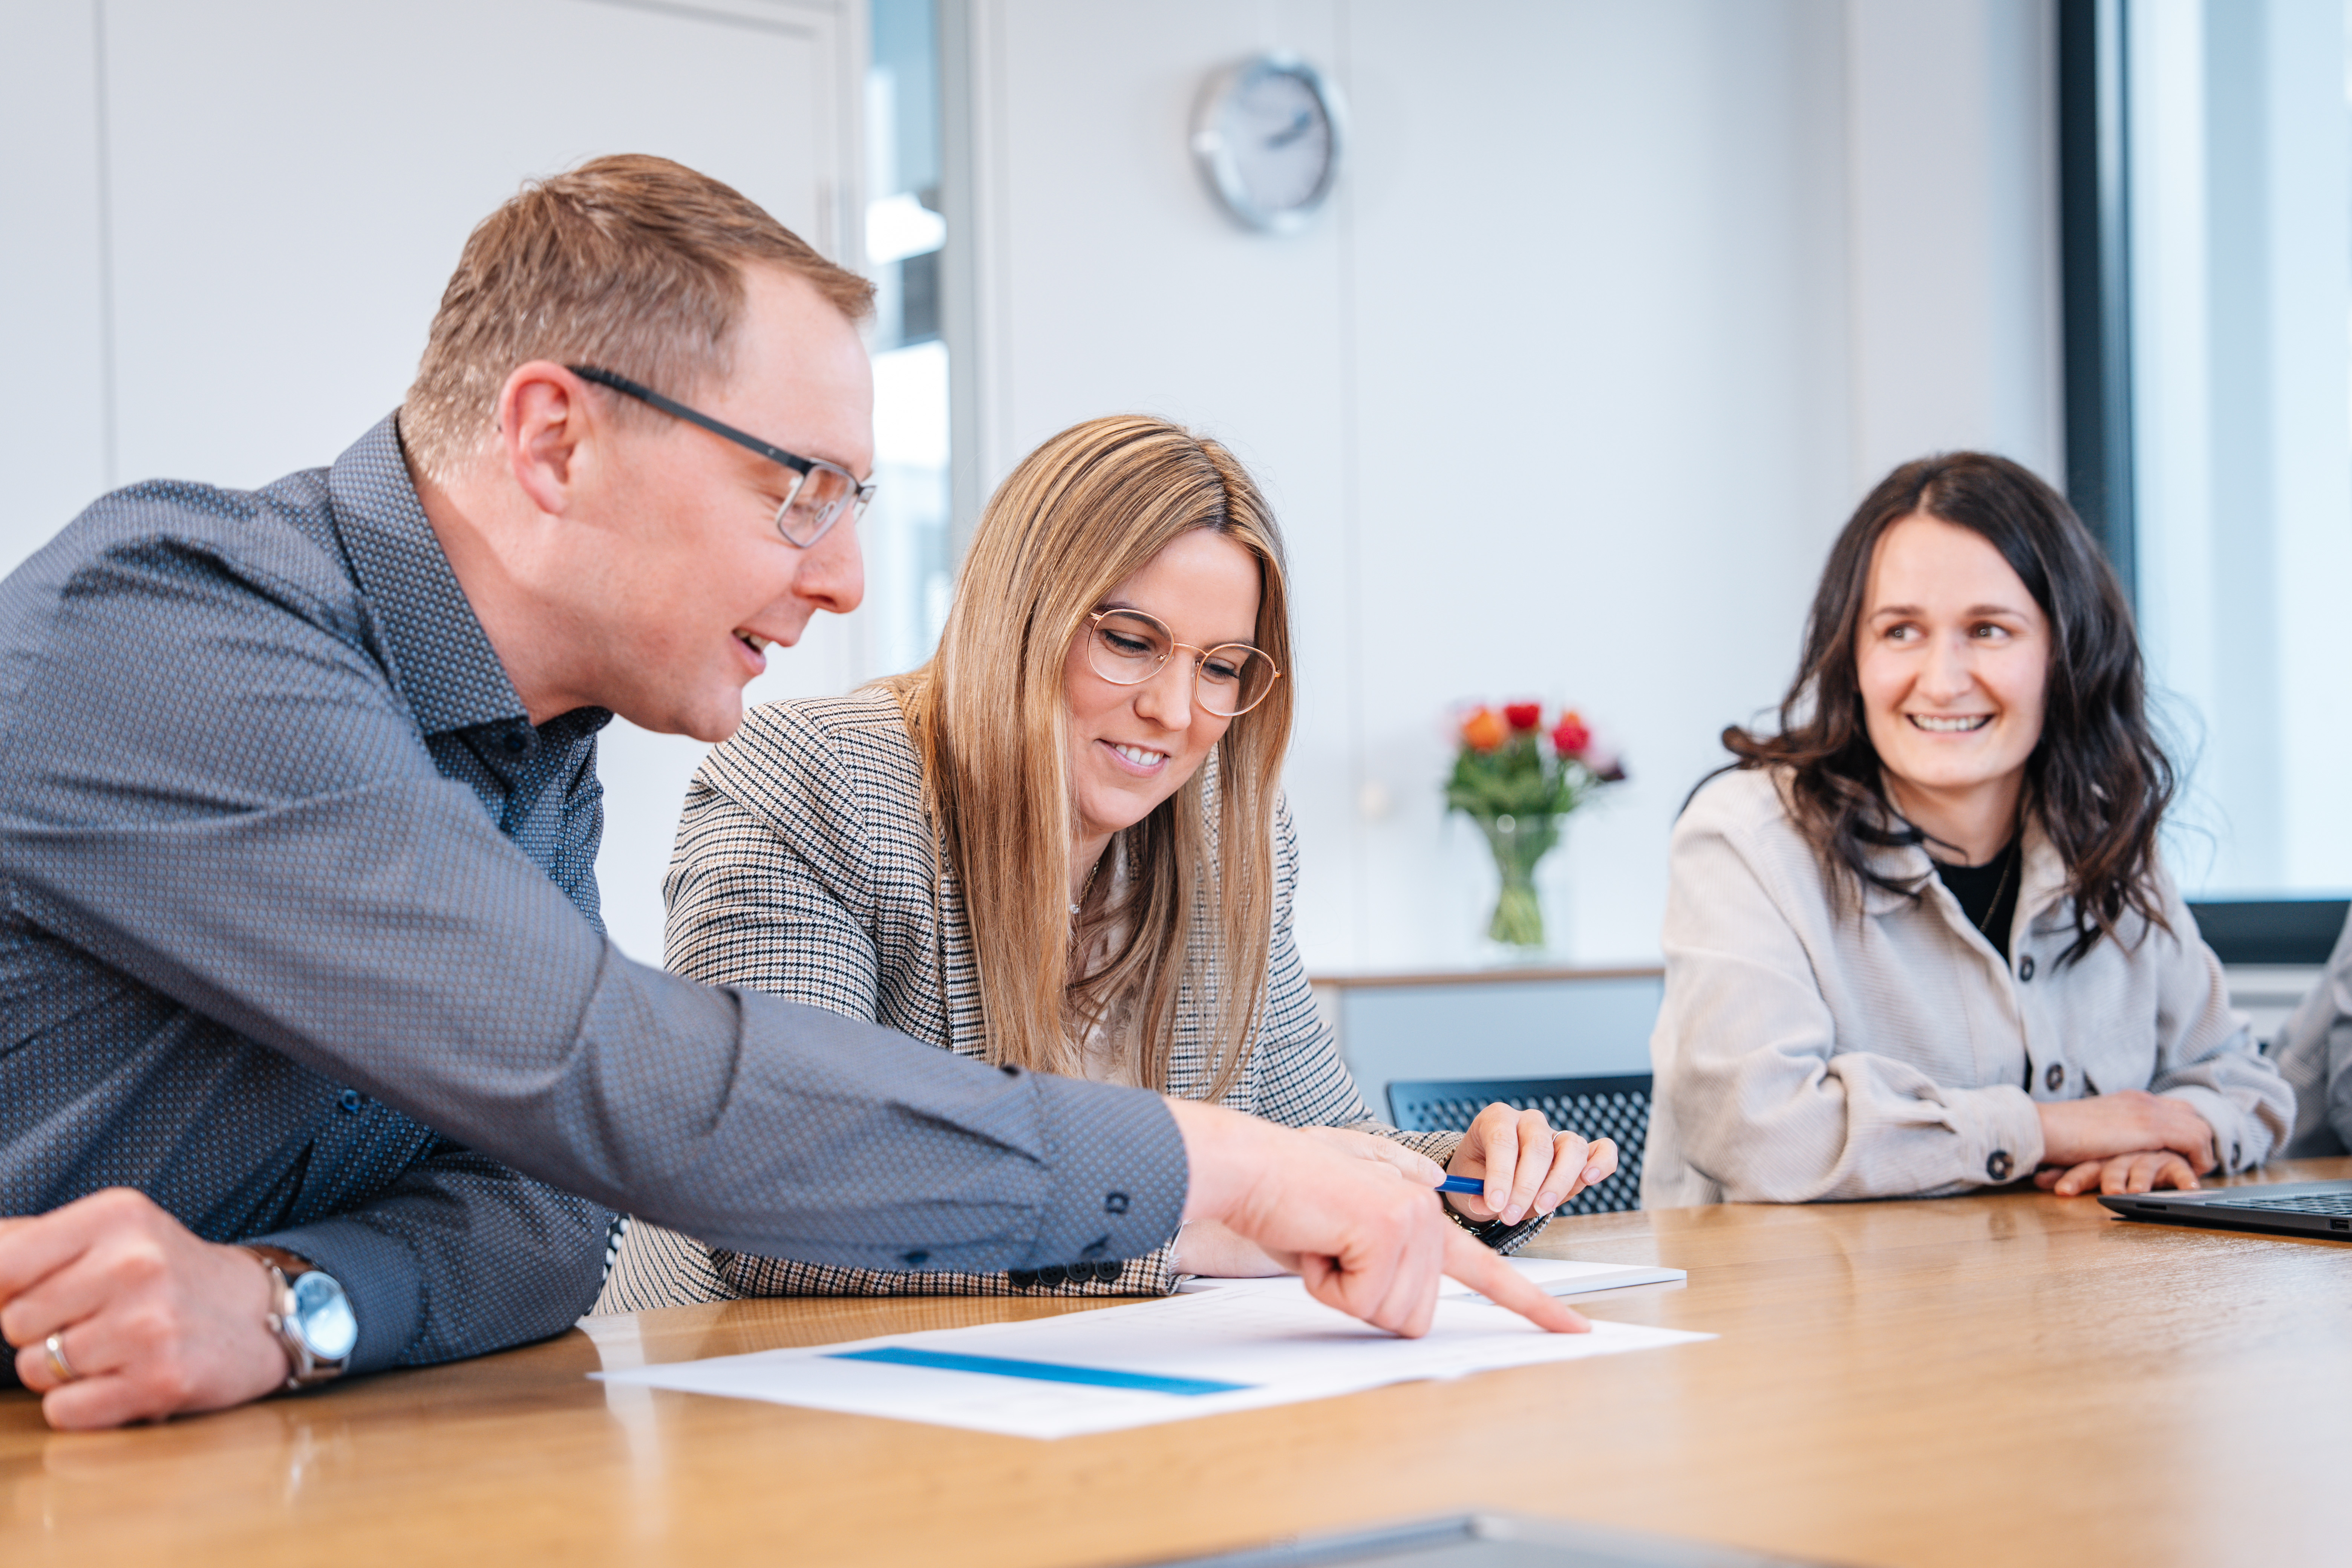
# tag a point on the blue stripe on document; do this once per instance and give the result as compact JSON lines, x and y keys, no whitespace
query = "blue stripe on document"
{"x":1043,"y":1371}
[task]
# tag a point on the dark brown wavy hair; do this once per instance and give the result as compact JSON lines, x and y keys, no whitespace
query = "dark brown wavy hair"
{"x":2098,"y":780}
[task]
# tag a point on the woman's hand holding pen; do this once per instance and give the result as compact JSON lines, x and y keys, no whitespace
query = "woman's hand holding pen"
{"x":1527,"y":1168}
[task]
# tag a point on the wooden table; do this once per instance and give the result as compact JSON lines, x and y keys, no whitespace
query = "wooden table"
{"x":1977,"y":1381}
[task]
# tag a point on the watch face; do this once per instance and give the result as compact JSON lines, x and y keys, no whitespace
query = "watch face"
{"x":1267,"y":135}
{"x":322,"y":1316}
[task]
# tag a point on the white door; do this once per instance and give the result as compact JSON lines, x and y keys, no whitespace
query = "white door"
{"x":229,"y":226}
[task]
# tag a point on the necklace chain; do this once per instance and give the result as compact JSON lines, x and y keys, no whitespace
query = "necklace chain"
{"x":1090,"y":879}
{"x":2008,"y":869}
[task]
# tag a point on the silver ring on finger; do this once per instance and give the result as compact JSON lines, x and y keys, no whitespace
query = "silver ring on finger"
{"x":55,"y":1345}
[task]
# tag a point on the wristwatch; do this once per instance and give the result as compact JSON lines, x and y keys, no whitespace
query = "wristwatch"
{"x":310,"y":1316}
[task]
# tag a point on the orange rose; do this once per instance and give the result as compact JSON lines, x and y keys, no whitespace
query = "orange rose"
{"x":1484,"y":730}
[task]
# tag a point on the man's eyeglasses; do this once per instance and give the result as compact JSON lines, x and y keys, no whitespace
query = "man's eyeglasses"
{"x":820,"y":493}
{"x":1127,"y":647}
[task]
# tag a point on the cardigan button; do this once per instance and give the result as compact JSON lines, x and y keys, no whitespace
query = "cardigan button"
{"x":2056,"y":1077}
{"x":2025,"y":967}
{"x":1998,"y":1164}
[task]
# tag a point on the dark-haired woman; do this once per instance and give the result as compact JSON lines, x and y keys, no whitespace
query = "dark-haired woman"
{"x":1918,"y":940}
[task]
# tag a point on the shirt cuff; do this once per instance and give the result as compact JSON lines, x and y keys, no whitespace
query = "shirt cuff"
{"x":2000,"y":1134}
{"x":1119,"y":1175}
{"x":379,"y":1277}
{"x":2228,"y":1120}
{"x":1504,"y":1238}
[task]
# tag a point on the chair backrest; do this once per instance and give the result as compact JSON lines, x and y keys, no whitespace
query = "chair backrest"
{"x":1615,"y":1107}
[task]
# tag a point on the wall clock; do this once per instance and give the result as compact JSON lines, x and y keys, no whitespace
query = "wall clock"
{"x":1267,"y":134}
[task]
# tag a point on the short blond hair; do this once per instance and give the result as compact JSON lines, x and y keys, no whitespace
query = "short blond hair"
{"x":632,"y":263}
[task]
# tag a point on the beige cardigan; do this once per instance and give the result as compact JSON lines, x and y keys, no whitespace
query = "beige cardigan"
{"x":1804,"y":1053}
{"x":805,"y":865}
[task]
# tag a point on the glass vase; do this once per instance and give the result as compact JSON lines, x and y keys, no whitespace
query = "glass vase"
{"x":1520,"y":844}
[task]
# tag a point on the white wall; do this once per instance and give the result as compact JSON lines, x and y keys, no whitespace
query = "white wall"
{"x":1952,"y":183}
{"x":1618,"y":310}
{"x":228,"y":226}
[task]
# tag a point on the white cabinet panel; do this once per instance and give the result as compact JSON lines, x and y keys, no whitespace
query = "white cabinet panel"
{"x":291,"y":184}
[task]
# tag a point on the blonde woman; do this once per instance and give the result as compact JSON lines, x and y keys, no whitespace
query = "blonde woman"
{"x":1060,"y":845}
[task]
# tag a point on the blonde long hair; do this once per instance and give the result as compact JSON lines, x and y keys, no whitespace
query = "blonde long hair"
{"x":1081,"y":514}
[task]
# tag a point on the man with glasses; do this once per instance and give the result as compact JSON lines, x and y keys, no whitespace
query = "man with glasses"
{"x":313,"y":1057}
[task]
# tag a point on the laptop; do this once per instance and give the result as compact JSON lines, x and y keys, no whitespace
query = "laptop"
{"x":2321,"y":1209}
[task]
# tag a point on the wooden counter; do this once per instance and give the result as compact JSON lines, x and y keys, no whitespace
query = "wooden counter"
{"x":2001,"y":1380}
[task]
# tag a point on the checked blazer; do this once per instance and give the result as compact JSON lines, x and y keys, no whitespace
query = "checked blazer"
{"x":806,"y":866}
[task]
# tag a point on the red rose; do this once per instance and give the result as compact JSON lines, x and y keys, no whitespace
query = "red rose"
{"x":1524,"y":715}
{"x":1483,"y":730}
{"x":1569,"y":736}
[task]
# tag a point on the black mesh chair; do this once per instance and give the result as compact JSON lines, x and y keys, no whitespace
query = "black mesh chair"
{"x":1615,"y":1107}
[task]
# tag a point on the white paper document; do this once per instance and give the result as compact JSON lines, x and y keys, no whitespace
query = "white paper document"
{"x":1553,"y":1276}
{"x":1167,"y":1359}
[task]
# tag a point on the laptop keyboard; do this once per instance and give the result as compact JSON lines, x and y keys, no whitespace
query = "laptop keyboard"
{"x":2309,"y":1203}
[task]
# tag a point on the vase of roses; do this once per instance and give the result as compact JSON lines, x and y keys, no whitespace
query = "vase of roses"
{"x":1517,"y":780}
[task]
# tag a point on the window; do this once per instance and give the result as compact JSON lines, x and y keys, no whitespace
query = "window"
{"x":2208,"y":160}
{"x":909,"y":564}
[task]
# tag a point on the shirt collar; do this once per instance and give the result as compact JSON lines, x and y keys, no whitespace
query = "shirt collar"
{"x":2041,"y":886}
{"x":442,"y":660}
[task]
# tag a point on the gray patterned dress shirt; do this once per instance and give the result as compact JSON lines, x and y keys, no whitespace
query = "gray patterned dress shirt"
{"x":301,"y":938}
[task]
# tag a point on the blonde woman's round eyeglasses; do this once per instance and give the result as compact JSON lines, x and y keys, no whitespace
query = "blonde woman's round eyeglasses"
{"x":1127,"y":647}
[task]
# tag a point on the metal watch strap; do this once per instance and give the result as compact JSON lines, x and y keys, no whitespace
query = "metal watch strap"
{"x":303,"y":1370}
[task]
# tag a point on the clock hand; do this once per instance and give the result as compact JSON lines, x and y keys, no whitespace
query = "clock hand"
{"x":1291,"y":133}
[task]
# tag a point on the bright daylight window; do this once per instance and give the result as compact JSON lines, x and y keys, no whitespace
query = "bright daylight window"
{"x":910,"y":563}
{"x":2238,"y":159}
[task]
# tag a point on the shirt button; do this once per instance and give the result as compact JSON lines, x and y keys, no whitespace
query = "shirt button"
{"x":1998,"y":1164}
{"x":516,"y":742}
{"x":2056,"y":1077}
{"x":2025,"y":967}
{"x":350,"y":1100}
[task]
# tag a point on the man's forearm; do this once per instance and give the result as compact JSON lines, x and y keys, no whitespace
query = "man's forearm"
{"x":454,"y":983}
{"x":460,"y":1258}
